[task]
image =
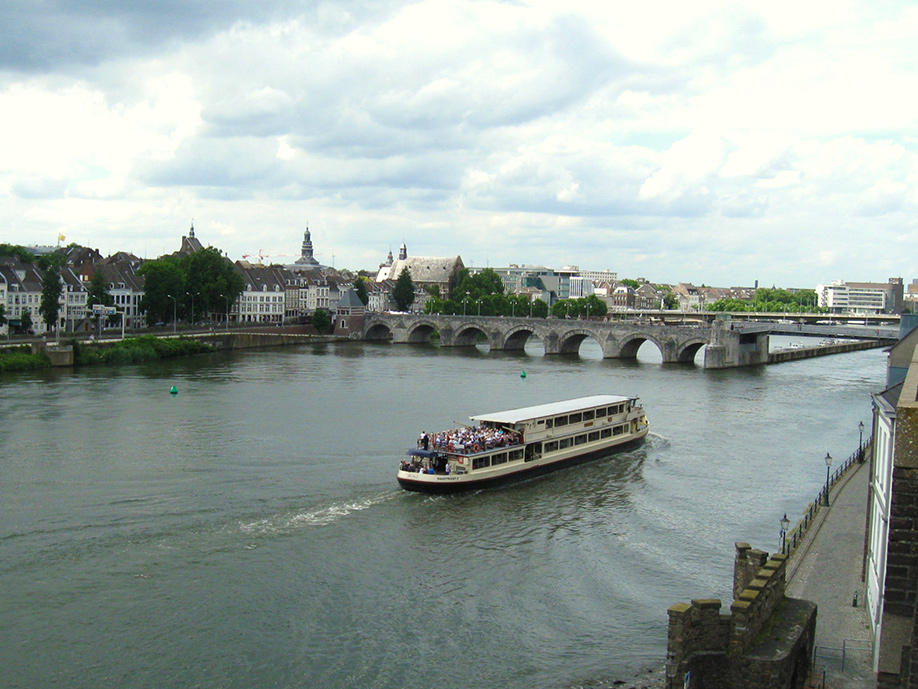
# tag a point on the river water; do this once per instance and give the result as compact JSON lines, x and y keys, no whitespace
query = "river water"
{"x":248,"y":531}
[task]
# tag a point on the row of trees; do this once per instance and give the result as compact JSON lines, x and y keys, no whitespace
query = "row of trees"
{"x":772,"y":301}
{"x":189,"y":286}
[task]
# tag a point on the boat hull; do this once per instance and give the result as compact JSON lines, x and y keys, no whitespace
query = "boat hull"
{"x":459,"y":483}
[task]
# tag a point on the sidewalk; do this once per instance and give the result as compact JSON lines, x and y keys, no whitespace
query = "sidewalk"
{"x":826,"y":569}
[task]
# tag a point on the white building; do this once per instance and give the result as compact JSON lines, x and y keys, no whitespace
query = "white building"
{"x":861,"y":297}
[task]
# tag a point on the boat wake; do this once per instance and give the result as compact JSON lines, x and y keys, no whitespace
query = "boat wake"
{"x":320,"y":516}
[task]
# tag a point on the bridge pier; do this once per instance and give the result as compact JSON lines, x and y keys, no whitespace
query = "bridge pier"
{"x":731,"y":349}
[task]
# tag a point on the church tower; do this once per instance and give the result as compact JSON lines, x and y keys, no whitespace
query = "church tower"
{"x":306,"y":259}
{"x":402,"y":252}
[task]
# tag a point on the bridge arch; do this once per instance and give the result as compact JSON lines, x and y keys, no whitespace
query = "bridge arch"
{"x":629,"y":346}
{"x":516,"y":338}
{"x":421,"y":331}
{"x":378,"y":332}
{"x":570,"y":341}
{"x":469,"y":335}
{"x":688,"y":351}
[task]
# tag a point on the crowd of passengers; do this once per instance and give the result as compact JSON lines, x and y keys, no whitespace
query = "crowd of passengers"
{"x":468,"y":440}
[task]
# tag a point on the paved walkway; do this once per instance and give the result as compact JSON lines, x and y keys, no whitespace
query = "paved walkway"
{"x":826,"y":569}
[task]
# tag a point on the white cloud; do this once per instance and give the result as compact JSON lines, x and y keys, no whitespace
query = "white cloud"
{"x":524,"y":132}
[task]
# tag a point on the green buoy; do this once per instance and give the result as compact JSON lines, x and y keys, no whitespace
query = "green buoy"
{"x":173,"y":391}
{"x":523,"y":374}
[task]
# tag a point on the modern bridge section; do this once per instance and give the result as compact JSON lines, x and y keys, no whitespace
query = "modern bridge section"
{"x":677,"y":344}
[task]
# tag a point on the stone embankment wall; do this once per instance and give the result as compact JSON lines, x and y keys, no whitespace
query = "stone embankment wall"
{"x":765,"y":642}
{"x":824,"y":350}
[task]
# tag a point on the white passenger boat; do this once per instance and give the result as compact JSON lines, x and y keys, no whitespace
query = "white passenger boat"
{"x":520,"y":443}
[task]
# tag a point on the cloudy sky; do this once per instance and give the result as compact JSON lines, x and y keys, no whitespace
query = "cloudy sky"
{"x":711,"y":142}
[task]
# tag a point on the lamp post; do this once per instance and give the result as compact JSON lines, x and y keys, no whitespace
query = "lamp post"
{"x":785,"y":522}
{"x":227,"y":311}
{"x":828,"y":465}
{"x":479,"y":306}
{"x":192,"y":295}
{"x":860,"y":440}
{"x":174,"y":310}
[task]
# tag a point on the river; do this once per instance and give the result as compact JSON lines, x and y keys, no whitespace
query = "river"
{"x":248,"y":531}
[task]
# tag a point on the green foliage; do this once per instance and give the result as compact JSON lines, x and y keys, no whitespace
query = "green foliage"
{"x":25,"y":320}
{"x":540,"y":308}
{"x":772,"y":301}
{"x":203,"y":281}
{"x":18,"y":252}
{"x":52,"y":261}
{"x":360,"y":289}
{"x":51,"y":287}
{"x":403,"y":292}
{"x":21,"y":359}
{"x":3,"y":318}
{"x":590,"y":306}
{"x":136,"y":350}
{"x":670,"y":302}
{"x":321,"y":320}
{"x":473,"y":287}
{"x":633,"y":284}
{"x":98,"y":291}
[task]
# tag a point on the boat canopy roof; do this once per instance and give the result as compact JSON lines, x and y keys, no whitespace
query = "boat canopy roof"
{"x":551,"y":409}
{"x":422,"y":453}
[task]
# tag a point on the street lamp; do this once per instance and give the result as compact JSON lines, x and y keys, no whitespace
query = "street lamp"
{"x":479,"y":306}
{"x":828,"y":465}
{"x":192,"y":295}
{"x":860,"y":434}
{"x":785,"y":523}
{"x":227,"y":311}
{"x":174,"y":310}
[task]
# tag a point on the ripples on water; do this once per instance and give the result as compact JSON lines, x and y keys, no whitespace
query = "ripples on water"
{"x":249,"y":532}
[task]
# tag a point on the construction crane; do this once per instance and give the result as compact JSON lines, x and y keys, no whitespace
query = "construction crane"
{"x":261,"y":255}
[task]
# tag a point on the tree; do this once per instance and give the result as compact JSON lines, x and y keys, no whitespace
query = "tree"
{"x":321,"y":321}
{"x":210,"y":279}
{"x":670,"y":301}
{"x":98,"y":291}
{"x":403,"y":292}
{"x":50,"y":305}
{"x":540,"y":308}
{"x":25,"y":321}
{"x":163,"y":280}
{"x":360,"y":289}
{"x":595,"y":307}
{"x":3,"y":318}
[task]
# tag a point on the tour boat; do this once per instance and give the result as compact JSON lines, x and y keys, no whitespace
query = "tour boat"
{"x":520,"y":443}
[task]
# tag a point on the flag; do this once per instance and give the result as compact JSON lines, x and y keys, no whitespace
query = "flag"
{"x":61,"y":238}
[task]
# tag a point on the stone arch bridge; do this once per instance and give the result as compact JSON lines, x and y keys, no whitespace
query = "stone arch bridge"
{"x":618,"y":340}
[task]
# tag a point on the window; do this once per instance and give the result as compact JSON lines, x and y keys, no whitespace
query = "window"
{"x":600,"y":412}
{"x":564,"y":442}
{"x":481,"y":462}
{"x":594,"y":436}
{"x":605,"y":433}
{"x":618,"y":430}
{"x":500,"y":458}
{"x":549,"y":423}
{"x":580,"y":440}
{"x":516,"y":454}
{"x":560,"y":421}
{"x":589,"y":415}
{"x":551,"y":446}
{"x":575,"y":418}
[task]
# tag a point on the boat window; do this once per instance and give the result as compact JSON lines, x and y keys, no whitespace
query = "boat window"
{"x":589,"y":414}
{"x":605,"y":433}
{"x":600,"y":412}
{"x":564,"y":442}
{"x":551,"y":446}
{"x":594,"y":436}
{"x":549,"y":423}
{"x":560,"y":421}
{"x":619,"y":430}
{"x":481,"y":462}
{"x":575,"y":418}
{"x":499,"y":458}
{"x":516,"y":454}
{"x":580,"y":440}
